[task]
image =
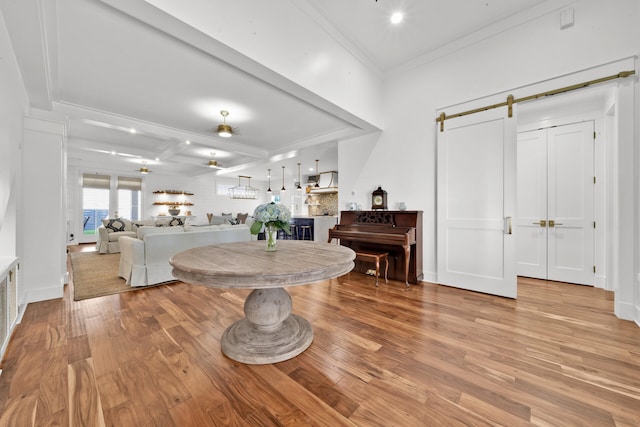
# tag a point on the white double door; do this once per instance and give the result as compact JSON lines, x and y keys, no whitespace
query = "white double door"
{"x":555,"y":213}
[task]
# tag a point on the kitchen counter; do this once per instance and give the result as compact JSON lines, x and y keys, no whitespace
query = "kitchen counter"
{"x":320,"y":225}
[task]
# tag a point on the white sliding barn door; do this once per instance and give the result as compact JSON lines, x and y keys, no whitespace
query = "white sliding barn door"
{"x":476,"y":203}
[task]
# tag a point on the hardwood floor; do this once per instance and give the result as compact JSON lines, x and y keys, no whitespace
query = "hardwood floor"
{"x":433,"y":355}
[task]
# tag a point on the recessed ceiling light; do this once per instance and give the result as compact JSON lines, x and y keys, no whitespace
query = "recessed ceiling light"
{"x":187,"y":142}
{"x":132,"y":130}
{"x":397,"y":17}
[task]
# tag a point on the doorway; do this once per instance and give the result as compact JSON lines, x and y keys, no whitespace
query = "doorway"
{"x":555,"y":203}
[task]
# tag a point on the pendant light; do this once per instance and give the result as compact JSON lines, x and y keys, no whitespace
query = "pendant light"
{"x":298,"y":187}
{"x":283,"y":189}
{"x":317,"y":176}
{"x":269,"y":189}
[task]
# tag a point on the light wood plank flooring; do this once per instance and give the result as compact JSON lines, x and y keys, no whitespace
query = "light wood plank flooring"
{"x":382,"y":356}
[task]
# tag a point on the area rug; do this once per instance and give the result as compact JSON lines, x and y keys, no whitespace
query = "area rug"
{"x":96,"y":275}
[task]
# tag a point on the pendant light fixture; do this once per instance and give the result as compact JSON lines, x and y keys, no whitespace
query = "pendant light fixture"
{"x":244,"y":191}
{"x":269,"y":176}
{"x":317,"y":176}
{"x":283,"y":189}
{"x":298,"y":187}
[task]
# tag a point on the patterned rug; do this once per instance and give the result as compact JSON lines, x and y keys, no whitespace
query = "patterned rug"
{"x":95,"y":275}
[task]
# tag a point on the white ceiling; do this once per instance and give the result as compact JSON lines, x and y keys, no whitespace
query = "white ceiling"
{"x":108,"y":73}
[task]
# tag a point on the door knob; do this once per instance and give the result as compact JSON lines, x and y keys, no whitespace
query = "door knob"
{"x":542,"y":223}
{"x":552,"y":223}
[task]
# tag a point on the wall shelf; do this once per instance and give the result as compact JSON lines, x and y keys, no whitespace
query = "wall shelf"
{"x":186,"y":193}
{"x":173,"y":203}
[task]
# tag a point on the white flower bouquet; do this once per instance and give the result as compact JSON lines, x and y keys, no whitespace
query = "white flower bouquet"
{"x":271,"y":215}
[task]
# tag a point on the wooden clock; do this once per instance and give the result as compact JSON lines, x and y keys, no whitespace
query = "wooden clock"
{"x":379,"y":199}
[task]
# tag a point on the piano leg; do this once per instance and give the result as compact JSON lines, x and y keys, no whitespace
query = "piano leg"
{"x":407,"y":255}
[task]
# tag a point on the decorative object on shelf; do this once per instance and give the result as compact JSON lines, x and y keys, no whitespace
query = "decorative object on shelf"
{"x":317,"y":175}
{"x":298,"y":185}
{"x":379,"y":199}
{"x":244,"y":191}
{"x":269,"y":176}
{"x":402,"y":206}
{"x":224,"y":130}
{"x":174,"y":210}
{"x":283,"y":189}
{"x":274,"y":217}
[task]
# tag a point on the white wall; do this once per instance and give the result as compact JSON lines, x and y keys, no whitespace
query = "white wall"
{"x":13,"y":105}
{"x":42,"y":225}
{"x":531,"y":53}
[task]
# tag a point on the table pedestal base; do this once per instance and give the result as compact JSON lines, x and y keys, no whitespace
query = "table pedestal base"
{"x":269,"y":333}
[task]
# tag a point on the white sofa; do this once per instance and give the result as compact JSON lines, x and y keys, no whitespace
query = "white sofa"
{"x":112,"y":229}
{"x":145,"y":260}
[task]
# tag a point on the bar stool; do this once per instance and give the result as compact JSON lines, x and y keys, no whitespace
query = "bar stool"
{"x":293,"y":230}
{"x":282,"y":235}
{"x":305,"y":232}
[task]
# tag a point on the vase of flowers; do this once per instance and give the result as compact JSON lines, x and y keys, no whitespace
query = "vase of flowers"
{"x":274,"y":217}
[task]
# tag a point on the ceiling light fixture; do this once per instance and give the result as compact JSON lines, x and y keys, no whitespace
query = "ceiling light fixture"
{"x":396,"y":18}
{"x":283,"y":189}
{"x":243,"y":191}
{"x":224,"y":130}
{"x":317,"y":176}
{"x":298,"y":187}
{"x":213,"y":163}
{"x":269,"y":176}
{"x":144,"y":169}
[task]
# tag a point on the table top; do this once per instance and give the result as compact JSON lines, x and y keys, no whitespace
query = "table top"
{"x":249,"y":265}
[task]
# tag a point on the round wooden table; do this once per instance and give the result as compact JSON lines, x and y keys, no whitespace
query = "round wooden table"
{"x":269,"y":333}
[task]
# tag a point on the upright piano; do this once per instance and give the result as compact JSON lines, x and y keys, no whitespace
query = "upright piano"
{"x":399,"y":233}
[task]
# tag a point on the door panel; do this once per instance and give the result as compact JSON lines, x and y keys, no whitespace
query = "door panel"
{"x":476,"y":193}
{"x":531,"y":241}
{"x":555,"y":184}
{"x":570,"y":203}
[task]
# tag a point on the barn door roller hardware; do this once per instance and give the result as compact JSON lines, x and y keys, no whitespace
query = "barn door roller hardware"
{"x":511,"y":100}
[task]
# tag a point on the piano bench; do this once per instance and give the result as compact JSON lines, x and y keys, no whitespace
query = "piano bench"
{"x":375,"y":257}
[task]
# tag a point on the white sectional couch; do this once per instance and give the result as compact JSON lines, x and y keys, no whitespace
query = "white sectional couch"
{"x":144,"y":260}
{"x":112,"y":229}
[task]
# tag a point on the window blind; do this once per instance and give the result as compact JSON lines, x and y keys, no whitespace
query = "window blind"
{"x":96,"y":181}
{"x":126,"y":183}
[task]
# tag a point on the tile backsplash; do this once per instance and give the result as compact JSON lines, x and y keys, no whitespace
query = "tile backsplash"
{"x":326,"y":203}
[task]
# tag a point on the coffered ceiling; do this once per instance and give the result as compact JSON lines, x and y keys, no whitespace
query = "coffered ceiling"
{"x":133,"y":93}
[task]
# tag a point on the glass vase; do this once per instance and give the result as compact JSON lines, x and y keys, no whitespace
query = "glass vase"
{"x":271,"y":232}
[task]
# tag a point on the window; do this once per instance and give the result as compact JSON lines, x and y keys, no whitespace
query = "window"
{"x":129,"y":197}
{"x":95,"y":201}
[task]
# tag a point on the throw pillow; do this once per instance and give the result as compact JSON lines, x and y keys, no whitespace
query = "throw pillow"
{"x":242,"y":218}
{"x":114,"y":225}
{"x":175,"y":221}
